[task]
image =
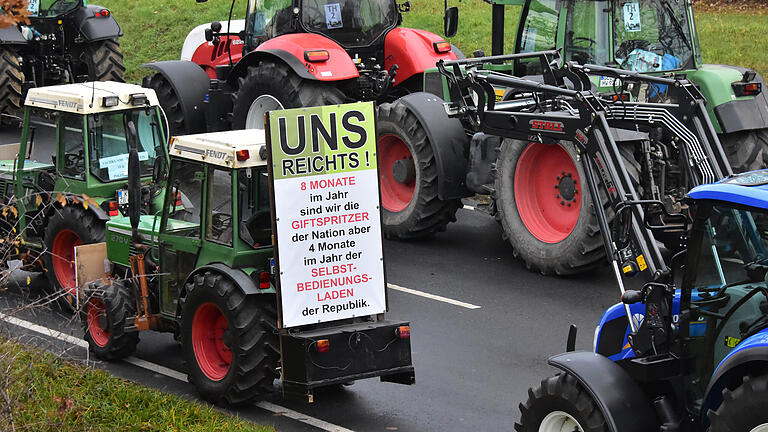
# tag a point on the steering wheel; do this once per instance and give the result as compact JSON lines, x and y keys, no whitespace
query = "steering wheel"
{"x":220,"y":222}
{"x":74,"y":161}
{"x":628,"y":46}
{"x":591,"y":41}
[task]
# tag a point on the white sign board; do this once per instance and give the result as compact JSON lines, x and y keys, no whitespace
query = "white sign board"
{"x":326,"y":190}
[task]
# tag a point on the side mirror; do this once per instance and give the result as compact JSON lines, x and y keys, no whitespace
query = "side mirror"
{"x":451,"y":21}
{"x":134,"y":180}
{"x":158,"y":171}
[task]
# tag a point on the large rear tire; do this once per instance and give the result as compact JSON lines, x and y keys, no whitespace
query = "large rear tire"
{"x":743,"y":408}
{"x":746,"y":150}
{"x":545,"y":213}
{"x":11,"y":80}
{"x":103,"y":61}
{"x":408,"y":177}
{"x":68,"y":227}
{"x":169,"y":102}
{"x":268,"y":86}
{"x":230,"y":340}
{"x":107,"y":310}
{"x":560,"y":404}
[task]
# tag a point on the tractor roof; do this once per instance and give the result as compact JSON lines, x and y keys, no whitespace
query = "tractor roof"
{"x":91,"y":97}
{"x":230,"y":149}
{"x":749,"y":189}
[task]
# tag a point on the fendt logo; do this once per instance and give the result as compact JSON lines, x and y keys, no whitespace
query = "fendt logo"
{"x":549,"y":126}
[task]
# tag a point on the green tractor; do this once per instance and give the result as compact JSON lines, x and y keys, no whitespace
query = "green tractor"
{"x":657,"y":37}
{"x":57,"y":191}
{"x":205,"y":271}
{"x":65,"y":41}
{"x":556,"y":233}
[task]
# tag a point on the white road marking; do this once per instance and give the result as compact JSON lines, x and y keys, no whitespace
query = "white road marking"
{"x":162,"y":370}
{"x":467,"y":207}
{"x":433,"y":296}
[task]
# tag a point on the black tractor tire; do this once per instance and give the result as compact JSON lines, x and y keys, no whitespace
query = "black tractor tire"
{"x":552,"y":252}
{"x":283,"y":84}
{"x":169,"y":102}
{"x":746,"y":150}
{"x":103,"y":61}
{"x":560,"y":400}
{"x":11,"y":80}
{"x":66,"y":228}
{"x":411,"y":207}
{"x":743,"y":408}
{"x":220,"y":321}
{"x":107,"y":309}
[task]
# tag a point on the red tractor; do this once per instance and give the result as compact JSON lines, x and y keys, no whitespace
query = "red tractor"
{"x":300,"y":53}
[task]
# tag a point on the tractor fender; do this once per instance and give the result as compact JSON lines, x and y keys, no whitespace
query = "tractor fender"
{"x":95,"y":28}
{"x":78,"y":200}
{"x":12,"y":36}
{"x":290,"y":48}
{"x":190,"y":83}
{"x":413,"y":51}
{"x":750,"y":357}
{"x":622,"y":402}
{"x":729,"y":113}
{"x":448,"y":140}
{"x":236,"y":276}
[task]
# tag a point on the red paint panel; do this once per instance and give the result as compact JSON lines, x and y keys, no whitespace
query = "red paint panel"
{"x":412,"y":51}
{"x":208,"y":56}
{"x":339,"y":65}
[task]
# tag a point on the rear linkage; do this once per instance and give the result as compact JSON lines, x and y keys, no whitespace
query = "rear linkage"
{"x":562,"y":106}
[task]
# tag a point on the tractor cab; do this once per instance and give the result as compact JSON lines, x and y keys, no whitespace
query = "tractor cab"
{"x":351,"y":23}
{"x":90,"y":149}
{"x":640,"y":36}
{"x":52,"y":8}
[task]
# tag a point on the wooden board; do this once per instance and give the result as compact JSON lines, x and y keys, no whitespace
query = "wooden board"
{"x":90,"y":263}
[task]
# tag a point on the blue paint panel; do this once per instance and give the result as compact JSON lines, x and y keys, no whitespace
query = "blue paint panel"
{"x":750,"y":189}
{"x":757,"y":340}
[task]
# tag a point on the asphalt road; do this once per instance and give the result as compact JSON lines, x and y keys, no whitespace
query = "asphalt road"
{"x":473,"y":366}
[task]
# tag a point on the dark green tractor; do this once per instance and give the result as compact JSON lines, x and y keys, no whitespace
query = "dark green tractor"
{"x":60,"y":185}
{"x":203,"y":269}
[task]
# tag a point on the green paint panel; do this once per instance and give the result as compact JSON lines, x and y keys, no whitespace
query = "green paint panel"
{"x":353,"y":149}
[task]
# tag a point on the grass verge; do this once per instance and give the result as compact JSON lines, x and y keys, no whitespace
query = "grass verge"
{"x":155,"y":29}
{"x":46,"y":393}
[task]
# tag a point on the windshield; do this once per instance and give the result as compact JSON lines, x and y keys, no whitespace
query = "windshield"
{"x":652,"y":35}
{"x":735,"y":241}
{"x":648,"y":35}
{"x":109,"y":146}
{"x":51,"y":8}
{"x":351,"y":23}
{"x":269,"y":18}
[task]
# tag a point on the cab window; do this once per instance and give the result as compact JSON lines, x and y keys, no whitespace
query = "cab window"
{"x":255,"y":221}
{"x":587,"y":34}
{"x":72,"y":162}
{"x":219,"y":210}
{"x":184,"y":202}
{"x":538,"y":33}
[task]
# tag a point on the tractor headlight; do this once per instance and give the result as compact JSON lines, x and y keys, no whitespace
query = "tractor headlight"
{"x":110,"y":101}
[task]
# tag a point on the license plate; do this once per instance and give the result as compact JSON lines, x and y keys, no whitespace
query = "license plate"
{"x":122,"y":197}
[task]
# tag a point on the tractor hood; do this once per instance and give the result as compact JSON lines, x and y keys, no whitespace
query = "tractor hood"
{"x":749,"y":189}
{"x":119,"y":236}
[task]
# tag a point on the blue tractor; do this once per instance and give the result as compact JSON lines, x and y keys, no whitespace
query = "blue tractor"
{"x":687,"y":348}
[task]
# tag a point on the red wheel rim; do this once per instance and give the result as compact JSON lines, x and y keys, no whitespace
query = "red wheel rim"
{"x":547,"y":192}
{"x":64,"y":259}
{"x":395,"y":196}
{"x":99,"y":335}
{"x":208,"y":331}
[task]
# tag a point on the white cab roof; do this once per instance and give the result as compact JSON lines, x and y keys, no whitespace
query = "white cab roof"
{"x":220,"y":148}
{"x":87,"y":98}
